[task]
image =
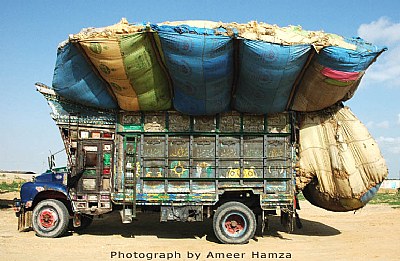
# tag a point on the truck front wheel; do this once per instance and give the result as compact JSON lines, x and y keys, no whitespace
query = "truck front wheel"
{"x":50,"y":218}
{"x":234,"y":223}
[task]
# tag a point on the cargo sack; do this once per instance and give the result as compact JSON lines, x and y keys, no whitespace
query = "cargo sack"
{"x":132,"y":67}
{"x":75,"y":80}
{"x":201,"y":68}
{"x":340,"y":165}
{"x":210,"y":67}
{"x":333,"y":75}
{"x":266,"y":75}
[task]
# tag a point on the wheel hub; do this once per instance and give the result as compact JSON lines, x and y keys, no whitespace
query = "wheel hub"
{"x":234,"y":224}
{"x":47,"y":218}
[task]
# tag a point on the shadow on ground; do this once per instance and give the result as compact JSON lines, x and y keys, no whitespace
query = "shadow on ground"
{"x":6,"y":203}
{"x":148,"y":224}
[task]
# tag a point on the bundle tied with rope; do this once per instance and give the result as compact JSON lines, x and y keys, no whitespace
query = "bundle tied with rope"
{"x":340,"y":164}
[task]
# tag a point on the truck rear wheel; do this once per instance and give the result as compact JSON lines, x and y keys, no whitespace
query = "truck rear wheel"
{"x":234,"y":223}
{"x":50,"y":218}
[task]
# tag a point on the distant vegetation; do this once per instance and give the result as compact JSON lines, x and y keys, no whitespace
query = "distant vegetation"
{"x":392,"y":199}
{"x":10,"y":187}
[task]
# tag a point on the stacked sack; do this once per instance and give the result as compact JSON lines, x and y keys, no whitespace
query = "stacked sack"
{"x":333,"y":75}
{"x":340,"y":164}
{"x":125,"y":66}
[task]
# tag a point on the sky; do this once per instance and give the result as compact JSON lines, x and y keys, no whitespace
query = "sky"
{"x":31,"y":30}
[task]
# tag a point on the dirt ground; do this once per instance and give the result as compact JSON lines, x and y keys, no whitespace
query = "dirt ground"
{"x":372,"y":233}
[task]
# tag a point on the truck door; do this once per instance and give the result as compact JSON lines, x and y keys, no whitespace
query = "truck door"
{"x":97,"y":161}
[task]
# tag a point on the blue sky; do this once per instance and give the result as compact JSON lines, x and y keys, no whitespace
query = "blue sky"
{"x":31,"y":30}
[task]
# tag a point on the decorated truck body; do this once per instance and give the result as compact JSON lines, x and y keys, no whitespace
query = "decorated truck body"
{"x":200,"y":119}
{"x":231,"y":167}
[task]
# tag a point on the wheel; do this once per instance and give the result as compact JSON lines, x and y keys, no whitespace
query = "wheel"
{"x":50,"y":218}
{"x":234,"y":223}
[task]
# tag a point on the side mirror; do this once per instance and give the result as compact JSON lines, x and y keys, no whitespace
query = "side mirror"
{"x":51,"y":161}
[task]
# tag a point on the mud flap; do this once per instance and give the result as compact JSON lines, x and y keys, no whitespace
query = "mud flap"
{"x":76,"y":221}
{"x":24,"y":220}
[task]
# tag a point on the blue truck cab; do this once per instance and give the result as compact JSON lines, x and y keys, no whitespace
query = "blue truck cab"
{"x":47,"y":187}
{"x":49,"y":182}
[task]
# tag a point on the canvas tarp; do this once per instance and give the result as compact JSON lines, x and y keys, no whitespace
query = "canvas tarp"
{"x":130,"y":65}
{"x":333,"y":75}
{"x":204,"y":68}
{"x":340,"y":164}
{"x":201,"y":68}
{"x":74,"y":79}
{"x":267,"y":74}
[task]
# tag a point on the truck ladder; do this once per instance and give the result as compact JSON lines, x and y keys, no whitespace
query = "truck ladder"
{"x":129,"y":180}
{"x":72,"y":128}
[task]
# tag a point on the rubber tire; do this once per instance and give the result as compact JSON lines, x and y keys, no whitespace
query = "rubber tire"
{"x":229,"y":208}
{"x":61,"y":225}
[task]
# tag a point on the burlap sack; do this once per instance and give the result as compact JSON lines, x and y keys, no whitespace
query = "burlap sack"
{"x":340,"y":163}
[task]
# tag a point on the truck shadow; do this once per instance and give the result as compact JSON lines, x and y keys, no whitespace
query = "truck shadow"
{"x":148,"y":224}
{"x":309,"y":228}
{"x":6,"y":203}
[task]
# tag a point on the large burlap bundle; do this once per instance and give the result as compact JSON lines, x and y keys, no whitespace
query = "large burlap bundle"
{"x":340,"y":166}
{"x":127,"y":57}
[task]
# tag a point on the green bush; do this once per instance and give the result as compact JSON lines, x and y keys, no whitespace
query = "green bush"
{"x":392,"y":199}
{"x":10,"y":187}
{"x":386,"y":198}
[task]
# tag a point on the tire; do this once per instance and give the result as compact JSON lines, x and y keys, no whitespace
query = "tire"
{"x":50,"y":218}
{"x":234,"y":223}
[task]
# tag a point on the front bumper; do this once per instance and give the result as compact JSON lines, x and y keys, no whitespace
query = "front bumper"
{"x":24,"y":216}
{"x":17,"y":206}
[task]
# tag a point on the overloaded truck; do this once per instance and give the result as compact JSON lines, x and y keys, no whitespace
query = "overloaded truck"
{"x":199,"y":119}
{"x":231,"y":167}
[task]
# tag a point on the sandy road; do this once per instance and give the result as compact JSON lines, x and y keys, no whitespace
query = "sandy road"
{"x":372,"y":233}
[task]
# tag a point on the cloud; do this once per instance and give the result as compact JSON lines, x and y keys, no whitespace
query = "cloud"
{"x":383,"y":125}
{"x":369,"y":124}
{"x":382,"y":31}
{"x":398,"y":119}
{"x":378,"y":125}
{"x":390,"y":144}
{"x":390,"y":150}
{"x":385,"y":72}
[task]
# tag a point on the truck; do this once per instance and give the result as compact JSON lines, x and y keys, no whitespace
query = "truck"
{"x":236,"y":168}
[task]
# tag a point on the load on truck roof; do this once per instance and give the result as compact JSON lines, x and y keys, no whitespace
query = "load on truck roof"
{"x":212,"y":69}
{"x":205,"y":68}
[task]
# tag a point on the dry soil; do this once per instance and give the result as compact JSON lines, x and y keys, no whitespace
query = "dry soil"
{"x":372,"y":233}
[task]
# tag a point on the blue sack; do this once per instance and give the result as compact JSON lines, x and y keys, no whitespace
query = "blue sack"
{"x":201,"y":69}
{"x":75,"y":80}
{"x":347,"y":60}
{"x":267,"y":74}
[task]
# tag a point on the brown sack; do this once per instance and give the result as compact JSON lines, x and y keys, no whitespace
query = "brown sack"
{"x":339,"y":160}
{"x":317,"y":91}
